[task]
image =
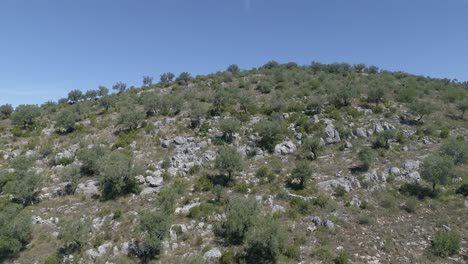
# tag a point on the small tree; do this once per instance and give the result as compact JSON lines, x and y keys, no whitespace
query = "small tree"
{"x":66,"y":120}
{"x":5,"y":111}
{"x":25,"y":115}
{"x":184,"y":78}
{"x":74,"y":234}
{"x":89,"y":158}
{"x":462,"y":105}
{"x":26,"y":183}
{"x":103,"y":91}
{"x":131,"y":119}
{"x":198,"y":111}
{"x":367,"y":156}
{"x":233,"y":69}
{"x":303,"y":172}
{"x":265,"y":241}
{"x":270,"y":133}
{"x":107,"y":101}
{"x":221,"y":100}
{"x":152,"y":103}
{"x":312,"y":146}
{"x":116,"y":176}
{"x":376,"y":94}
{"x":229,"y":126}
{"x":154,"y":226}
{"x":446,"y":243}
{"x":437,"y":169}
{"x":421,"y":109}
{"x":91,"y":94}
{"x":228,"y":160}
{"x":120,"y":87}
{"x":75,"y":96}
{"x":167,"y":77}
{"x":241,"y":215}
{"x":147,"y":80}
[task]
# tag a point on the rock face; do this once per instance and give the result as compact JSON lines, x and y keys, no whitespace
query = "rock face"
{"x":375,"y":127}
{"x":89,"y":189}
{"x":285,"y":148}
{"x":331,"y":135}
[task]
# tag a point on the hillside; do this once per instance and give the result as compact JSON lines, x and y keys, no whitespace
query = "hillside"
{"x":319,"y":163}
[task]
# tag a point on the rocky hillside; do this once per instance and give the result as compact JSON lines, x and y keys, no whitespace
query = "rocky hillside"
{"x":281,"y":164}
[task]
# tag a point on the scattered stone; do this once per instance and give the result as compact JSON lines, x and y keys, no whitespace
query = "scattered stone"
{"x":278,"y":209}
{"x":330,"y":225}
{"x":394,"y":171}
{"x":165,"y":143}
{"x":149,"y":190}
{"x":140,"y":179}
{"x":186,"y":209}
{"x":180,"y":141}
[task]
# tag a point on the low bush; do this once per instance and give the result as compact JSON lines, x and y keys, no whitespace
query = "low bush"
{"x":446,"y":243}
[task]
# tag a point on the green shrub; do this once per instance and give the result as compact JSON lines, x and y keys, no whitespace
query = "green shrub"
{"x":201,"y":211}
{"x":303,"y":172}
{"x":304,"y":207}
{"x":411,"y":205}
{"x":228,"y":257}
{"x":52,"y":259}
{"x":446,"y":243}
{"x":203,"y":184}
{"x":270,"y":133}
{"x":292,"y":251}
{"x":131,"y":119}
{"x":241,"y":187}
{"x":341,"y":258}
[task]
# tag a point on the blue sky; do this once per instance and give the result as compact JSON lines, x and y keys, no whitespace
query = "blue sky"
{"x":48,"y":47}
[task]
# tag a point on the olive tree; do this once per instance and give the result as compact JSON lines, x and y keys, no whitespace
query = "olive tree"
{"x":26,"y":184}
{"x":302,"y":172}
{"x":241,"y":214}
{"x":228,"y":160}
{"x":233,"y":69}
{"x":462,"y":105}
{"x":456,"y":149}
{"x":265,"y":241}
{"x":437,"y":169}
{"x":91,"y":94}
{"x":184,"y":78}
{"x":25,"y":115}
{"x":66,"y":119}
{"x":117,"y":175}
{"x":197,"y":112}
{"x":120,"y":87}
{"x":15,"y":230}
{"x":75,"y":96}
{"x":270,"y":133}
{"x":107,"y":101}
{"x":5,"y":111}
{"x":167,"y":77}
{"x":131,"y":119}
{"x":147,"y":80}
{"x":74,"y":233}
{"x":102,"y":91}
{"x":312,"y":146}
{"x":229,"y":126}
{"x":421,"y":109}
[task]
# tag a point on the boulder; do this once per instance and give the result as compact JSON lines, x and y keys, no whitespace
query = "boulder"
{"x":331,"y":135}
{"x":213,"y":253}
{"x":149,"y":190}
{"x":154,"y":181}
{"x":89,"y":189}
{"x":395,"y":171}
{"x":140,"y":179}
{"x":180,"y":141}
{"x":411,"y":165}
{"x":348,"y":183}
{"x":165,"y":143}
{"x":285,"y":148}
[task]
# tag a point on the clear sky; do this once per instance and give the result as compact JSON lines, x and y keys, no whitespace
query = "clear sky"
{"x":49,"y":47}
